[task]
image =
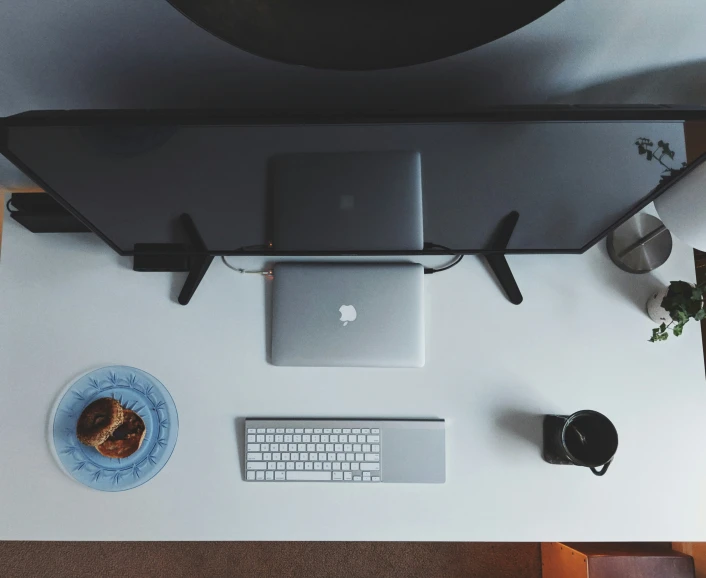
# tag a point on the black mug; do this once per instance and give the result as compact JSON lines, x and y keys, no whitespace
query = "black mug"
{"x":586,"y":438}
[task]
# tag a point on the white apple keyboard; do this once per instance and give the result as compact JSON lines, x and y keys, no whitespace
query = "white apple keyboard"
{"x":345,"y":450}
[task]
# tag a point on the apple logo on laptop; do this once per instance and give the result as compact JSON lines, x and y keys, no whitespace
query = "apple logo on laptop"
{"x":348,"y":313}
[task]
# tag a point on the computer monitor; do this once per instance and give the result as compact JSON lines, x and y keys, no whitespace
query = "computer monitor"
{"x":572,"y":173}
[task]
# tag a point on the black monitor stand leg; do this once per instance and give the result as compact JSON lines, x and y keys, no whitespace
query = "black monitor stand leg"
{"x":497,"y":261}
{"x":198,"y":265}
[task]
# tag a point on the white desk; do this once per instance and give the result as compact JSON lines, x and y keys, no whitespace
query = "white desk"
{"x":68,"y":304}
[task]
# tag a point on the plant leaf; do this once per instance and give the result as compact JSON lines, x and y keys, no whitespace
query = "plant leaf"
{"x":700,"y":315}
{"x":649,"y":155}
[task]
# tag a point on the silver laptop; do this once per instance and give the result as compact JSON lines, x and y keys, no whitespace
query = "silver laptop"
{"x":348,"y":314}
{"x":348,"y":202}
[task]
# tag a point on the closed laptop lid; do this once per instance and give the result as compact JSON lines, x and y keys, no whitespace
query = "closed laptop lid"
{"x":351,"y":201}
{"x":348,"y":314}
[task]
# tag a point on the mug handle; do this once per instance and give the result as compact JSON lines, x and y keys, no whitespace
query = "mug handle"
{"x":603,"y":470}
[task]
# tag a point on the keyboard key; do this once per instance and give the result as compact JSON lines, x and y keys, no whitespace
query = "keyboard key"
{"x":318,"y":466}
{"x":320,"y":447}
{"x":331,"y":457}
{"x":358,"y":457}
{"x":366,"y":475}
{"x":259,"y":476}
{"x":340,"y":456}
{"x":304,"y":456}
{"x":317,"y":430}
{"x":277,"y":456}
{"x":295,"y":457}
{"x":327,"y":465}
{"x":308,"y":466}
{"x":373,"y":439}
{"x":269,"y":438}
{"x":350,"y":457}
{"x":365,"y":431}
{"x":357,"y":478}
{"x":316,"y":439}
{"x":372,"y":457}
{"x":327,"y":430}
{"x":264,"y":447}
{"x":347,"y":476}
{"x":254,"y":457}
{"x":261,"y":430}
{"x":269,"y":476}
{"x":251,"y":430}
{"x":257,"y":466}
{"x":280,"y":465}
{"x":329,"y":447}
{"x":297,"y":439}
{"x":259,"y":438}
{"x":336,"y":466}
{"x":347,"y":447}
{"x":343,"y":439}
{"x":279,"y":430}
{"x":299,"y":466}
{"x":366,"y":448}
{"x":355,"y":466}
{"x":298,"y":430}
{"x":308,"y":430}
{"x":286,"y":457}
{"x":306,"y":438}
{"x":309,"y":476}
{"x":290,"y":465}
{"x":251,"y":438}
{"x":346,"y":430}
{"x":311,"y":447}
{"x":370,"y":466}
{"x":288,"y":439}
{"x":361,"y":439}
{"x":289,"y":430}
{"x":279,"y":476}
{"x":253,"y":447}
{"x":301,"y":447}
{"x":251,"y":475}
{"x":279,"y":438}
{"x":375,"y":448}
{"x":375,"y":430}
{"x":271,"y":466}
{"x":322,"y":457}
{"x":338,"y":447}
{"x":325,"y":439}
{"x":355,"y":431}
{"x":345,"y":466}
{"x":292,"y":447}
{"x":337,"y":430}
{"x":337,"y":475}
{"x":267,"y":457}
{"x":357,"y":448}
{"x":376,"y":478}
{"x":333,"y":439}
{"x":270,"y":430}
{"x":283,"y":447}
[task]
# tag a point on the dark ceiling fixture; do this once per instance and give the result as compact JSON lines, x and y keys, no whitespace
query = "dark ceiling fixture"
{"x":360,"y":34}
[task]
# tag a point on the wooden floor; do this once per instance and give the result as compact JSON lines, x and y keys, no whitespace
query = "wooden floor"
{"x":268,"y":559}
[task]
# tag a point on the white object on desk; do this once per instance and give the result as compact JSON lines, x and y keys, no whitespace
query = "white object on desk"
{"x":68,"y":304}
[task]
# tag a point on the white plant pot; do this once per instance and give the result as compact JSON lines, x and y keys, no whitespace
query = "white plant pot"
{"x":657,"y":313}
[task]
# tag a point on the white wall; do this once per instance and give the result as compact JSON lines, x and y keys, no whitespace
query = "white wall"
{"x":143,"y":53}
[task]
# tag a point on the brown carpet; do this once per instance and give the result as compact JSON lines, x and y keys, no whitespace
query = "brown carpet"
{"x":268,"y":559}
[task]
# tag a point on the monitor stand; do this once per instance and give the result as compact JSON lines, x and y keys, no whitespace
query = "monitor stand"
{"x":193,"y":258}
{"x":497,"y":261}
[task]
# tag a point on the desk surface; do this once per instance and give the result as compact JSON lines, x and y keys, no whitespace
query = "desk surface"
{"x":579,"y":340}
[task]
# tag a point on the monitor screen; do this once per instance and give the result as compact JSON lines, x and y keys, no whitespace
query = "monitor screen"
{"x":130,"y":181}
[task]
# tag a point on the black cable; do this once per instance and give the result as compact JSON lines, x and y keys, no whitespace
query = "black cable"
{"x":455,"y":261}
{"x":7,"y":205}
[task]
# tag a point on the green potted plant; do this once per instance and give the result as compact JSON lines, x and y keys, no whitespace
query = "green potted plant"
{"x":674,"y":306}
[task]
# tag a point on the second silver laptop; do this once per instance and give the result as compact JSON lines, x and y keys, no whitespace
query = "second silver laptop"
{"x":348,"y":314}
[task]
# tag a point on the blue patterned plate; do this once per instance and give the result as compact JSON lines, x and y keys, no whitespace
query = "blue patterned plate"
{"x":135,"y":390}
